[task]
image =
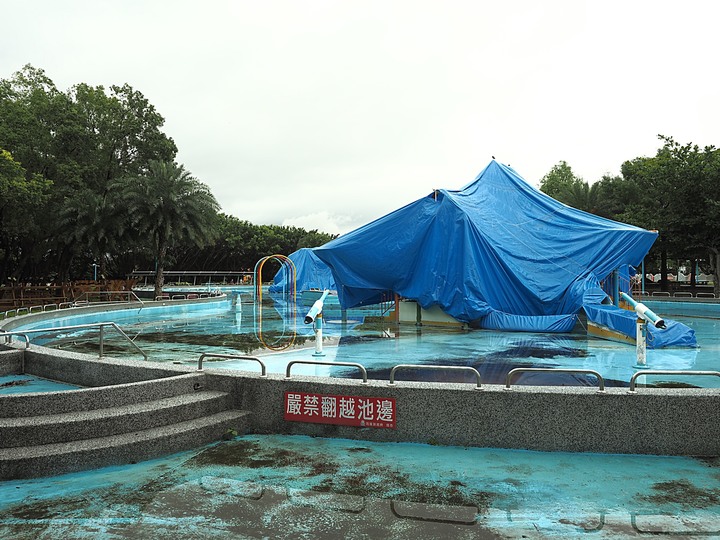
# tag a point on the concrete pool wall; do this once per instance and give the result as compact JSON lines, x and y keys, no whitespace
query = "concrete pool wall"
{"x":575,"y":419}
{"x":673,"y":421}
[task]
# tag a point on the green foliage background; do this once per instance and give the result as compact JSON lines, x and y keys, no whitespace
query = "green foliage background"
{"x":87,"y":176}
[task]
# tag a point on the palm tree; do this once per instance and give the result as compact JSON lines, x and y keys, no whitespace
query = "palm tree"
{"x":90,"y":222}
{"x":167,"y":206}
{"x":581,"y":195}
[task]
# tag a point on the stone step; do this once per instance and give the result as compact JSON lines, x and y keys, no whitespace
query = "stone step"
{"x":131,"y":447}
{"x":85,"y":399}
{"x":65,"y":427}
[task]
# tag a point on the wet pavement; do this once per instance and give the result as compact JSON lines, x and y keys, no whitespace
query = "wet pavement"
{"x":294,"y":487}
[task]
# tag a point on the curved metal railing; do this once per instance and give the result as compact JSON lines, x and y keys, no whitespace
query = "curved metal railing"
{"x":101,"y":326}
{"x":436,"y":368}
{"x":362,"y":369}
{"x":633,"y":379}
{"x":263,"y":369}
{"x":601,"y":381}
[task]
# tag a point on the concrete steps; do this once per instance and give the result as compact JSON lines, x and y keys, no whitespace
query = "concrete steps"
{"x":66,"y":427}
{"x":60,"y":432}
{"x":59,"y":458}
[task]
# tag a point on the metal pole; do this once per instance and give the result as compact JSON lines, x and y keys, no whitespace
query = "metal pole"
{"x":642,"y":281}
{"x":317,"y":326}
{"x":102,"y":340}
{"x":616,"y":288}
{"x":641,"y":342}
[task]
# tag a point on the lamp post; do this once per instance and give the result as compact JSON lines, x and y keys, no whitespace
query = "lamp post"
{"x":95,"y":267}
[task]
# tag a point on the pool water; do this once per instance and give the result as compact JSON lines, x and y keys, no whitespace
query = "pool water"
{"x":273,"y":486}
{"x":24,"y":384}
{"x":278,"y":336}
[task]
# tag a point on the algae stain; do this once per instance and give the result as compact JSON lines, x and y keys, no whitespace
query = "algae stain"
{"x":359,"y":450}
{"x":251,"y":455}
{"x":21,"y":382}
{"x":710,"y":461}
{"x":684,"y":493}
{"x":383,"y":483}
{"x":361,"y":477}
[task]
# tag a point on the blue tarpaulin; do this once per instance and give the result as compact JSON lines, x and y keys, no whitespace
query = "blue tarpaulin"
{"x":497,"y":253}
{"x":310,"y":273}
{"x":621,"y":320}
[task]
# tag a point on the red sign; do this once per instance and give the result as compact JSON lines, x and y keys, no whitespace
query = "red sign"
{"x":342,"y":410}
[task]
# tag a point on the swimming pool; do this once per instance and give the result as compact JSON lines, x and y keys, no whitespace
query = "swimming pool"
{"x":278,"y":336}
{"x":311,"y":487}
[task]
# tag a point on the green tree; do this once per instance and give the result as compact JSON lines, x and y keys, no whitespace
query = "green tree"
{"x":614,"y":194}
{"x":314,"y":238}
{"x":21,"y":199}
{"x":81,"y":140}
{"x":560,"y":181}
{"x":677,"y":195}
{"x":167,"y":206}
{"x":90,"y":220}
{"x":121,"y":132}
{"x":581,"y":195}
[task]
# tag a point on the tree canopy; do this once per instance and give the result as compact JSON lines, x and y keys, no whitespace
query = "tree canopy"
{"x":674,"y":192}
{"x":88,"y":177}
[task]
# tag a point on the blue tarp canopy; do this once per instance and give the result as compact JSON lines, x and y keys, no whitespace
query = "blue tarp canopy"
{"x":496,"y":254}
{"x":310,"y":273}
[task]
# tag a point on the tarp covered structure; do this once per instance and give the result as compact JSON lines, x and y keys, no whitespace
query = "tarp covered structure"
{"x":310,"y":273}
{"x":497,"y":254}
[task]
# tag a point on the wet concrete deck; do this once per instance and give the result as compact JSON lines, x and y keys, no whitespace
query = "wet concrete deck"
{"x":302,"y":487}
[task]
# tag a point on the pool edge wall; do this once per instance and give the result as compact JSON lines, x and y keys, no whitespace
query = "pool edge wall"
{"x":573,"y":419}
{"x":16,"y":324}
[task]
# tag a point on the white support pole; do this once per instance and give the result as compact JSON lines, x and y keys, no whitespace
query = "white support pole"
{"x":641,"y":343}
{"x":315,"y":317}
{"x":317,"y":327}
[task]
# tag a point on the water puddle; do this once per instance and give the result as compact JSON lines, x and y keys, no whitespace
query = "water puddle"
{"x":24,"y":384}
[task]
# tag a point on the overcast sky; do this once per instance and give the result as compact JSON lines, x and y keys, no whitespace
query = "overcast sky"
{"x":329,"y":114}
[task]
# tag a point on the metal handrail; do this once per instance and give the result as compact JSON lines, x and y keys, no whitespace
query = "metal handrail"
{"x":455,"y":368}
{"x":668,"y":372}
{"x":131,"y":297}
{"x":601,"y":381}
{"x":263,"y":369}
{"x":8,"y":337}
{"x":319,"y":363}
{"x":78,"y":327}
